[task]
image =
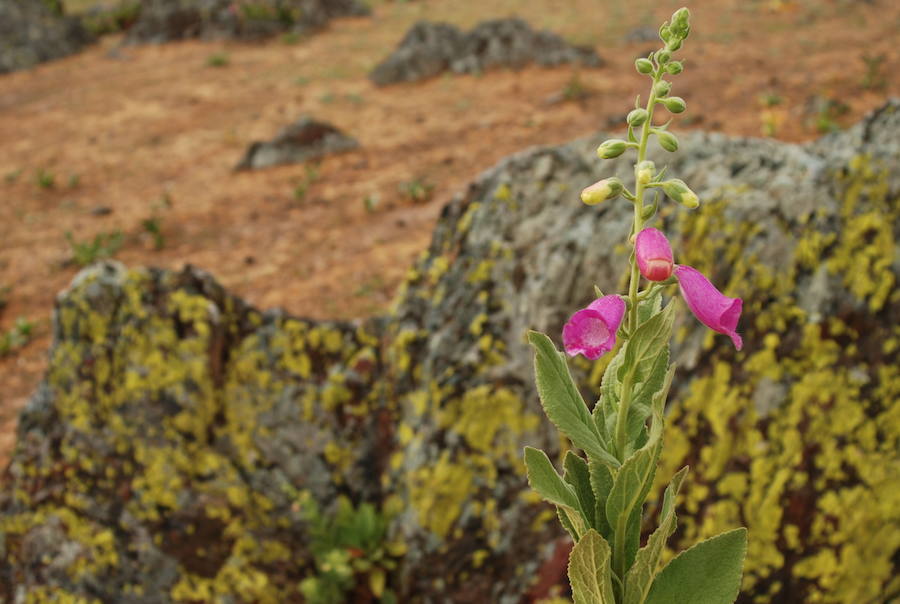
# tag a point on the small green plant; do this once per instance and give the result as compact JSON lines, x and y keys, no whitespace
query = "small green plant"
{"x":54,"y":6}
{"x":328,"y":98}
{"x":16,"y":337}
{"x":575,"y":90}
{"x":74,"y":181}
{"x":354,"y":98}
{"x":111,"y":20}
{"x":417,"y":190}
{"x":104,"y":245}
{"x":302,"y":80}
{"x":45,"y":179}
{"x":770,"y":99}
{"x":826,"y":113}
{"x":874,"y":78}
{"x":290,"y":38}
{"x":12,"y":176}
{"x":153,"y":227}
{"x":218,"y":59}
{"x":270,"y":11}
{"x":311,"y":175}
{"x":350,"y":547}
{"x":370,"y":202}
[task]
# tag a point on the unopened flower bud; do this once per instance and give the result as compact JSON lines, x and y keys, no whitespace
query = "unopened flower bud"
{"x":674,"y":44}
{"x":681,"y":25}
{"x":681,"y":193}
{"x":645,"y":172}
{"x":637,"y":117}
{"x":667,"y":140}
{"x":662,"y":88}
{"x":681,"y":16}
{"x":614,"y":147}
{"x":664,"y":33}
{"x":643,"y":66}
{"x":654,"y":255}
{"x":675,"y":104}
{"x":608,"y":188}
{"x":663,"y":56}
{"x":675,"y":67}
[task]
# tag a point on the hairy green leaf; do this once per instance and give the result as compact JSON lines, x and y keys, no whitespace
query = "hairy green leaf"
{"x":544,"y":479}
{"x":578,"y":475}
{"x":707,"y":573}
{"x":639,"y":577}
{"x":601,"y":483}
{"x":649,"y":307}
{"x":589,"y":570}
{"x":563,"y":516}
{"x":562,"y":401}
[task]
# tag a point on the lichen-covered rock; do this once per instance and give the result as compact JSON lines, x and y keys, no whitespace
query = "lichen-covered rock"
{"x":166,"y":20}
{"x":302,"y":141}
{"x":431,"y":48}
{"x":164,"y":457}
{"x":31,"y":32}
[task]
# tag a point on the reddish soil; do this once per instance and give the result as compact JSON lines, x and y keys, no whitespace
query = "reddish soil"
{"x":126,"y":128}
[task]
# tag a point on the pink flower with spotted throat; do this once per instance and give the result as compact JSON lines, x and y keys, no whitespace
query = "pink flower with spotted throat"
{"x":654,"y":255}
{"x":592,"y":331}
{"x":713,"y":308}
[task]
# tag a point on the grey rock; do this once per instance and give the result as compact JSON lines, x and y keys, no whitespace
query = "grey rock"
{"x":429,"y":48}
{"x":31,"y":33}
{"x":302,"y":141}
{"x":165,"y":20}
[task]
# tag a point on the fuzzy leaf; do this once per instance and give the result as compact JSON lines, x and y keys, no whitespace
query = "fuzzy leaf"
{"x":589,"y":571}
{"x":562,"y":401}
{"x":563,"y":516}
{"x":634,"y":478}
{"x":639,"y":577}
{"x":578,"y":475}
{"x":647,"y":343}
{"x":544,"y":479}
{"x":649,"y":307}
{"x":601,"y":483}
{"x":610,"y":394}
{"x":707,"y":573}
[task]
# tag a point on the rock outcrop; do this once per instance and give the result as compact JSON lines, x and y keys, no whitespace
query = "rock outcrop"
{"x":33,"y":31}
{"x":180,"y":436}
{"x":302,"y":141}
{"x":166,"y":20}
{"x":431,"y":48}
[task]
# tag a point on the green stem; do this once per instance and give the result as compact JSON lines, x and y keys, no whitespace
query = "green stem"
{"x":635,"y":275}
{"x":621,"y":419}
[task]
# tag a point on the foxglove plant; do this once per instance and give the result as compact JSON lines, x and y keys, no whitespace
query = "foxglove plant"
{"x":600,"y":497}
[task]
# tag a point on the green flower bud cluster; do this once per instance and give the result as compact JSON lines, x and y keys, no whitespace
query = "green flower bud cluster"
{"x":657,"y":65}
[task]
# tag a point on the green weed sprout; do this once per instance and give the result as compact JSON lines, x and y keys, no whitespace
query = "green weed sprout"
{"x":104,"y":245}
{"x":601,"y":495}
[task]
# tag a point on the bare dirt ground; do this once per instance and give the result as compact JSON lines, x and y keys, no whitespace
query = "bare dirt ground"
{"x":128,"y":134}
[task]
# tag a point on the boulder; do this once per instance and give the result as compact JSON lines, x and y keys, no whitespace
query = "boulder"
{"x":428,"y":49}
{"x":34,"y":31}
{"x":302,"y":141}
{"x":187,"y":447}
{"x":166,"y":20}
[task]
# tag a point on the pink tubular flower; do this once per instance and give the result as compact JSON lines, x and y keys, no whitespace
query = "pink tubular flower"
{"x":654,"y":255}
{"x":714,"y":309}
{"x":592,"y":331}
